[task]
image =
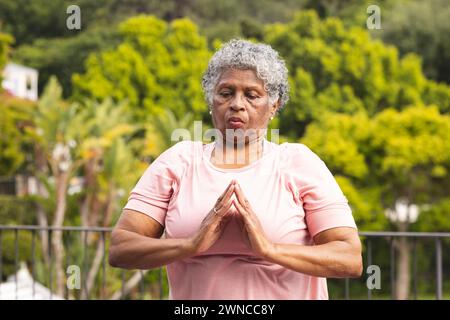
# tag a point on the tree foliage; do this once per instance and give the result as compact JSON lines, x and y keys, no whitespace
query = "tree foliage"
{"x":393,"y":155}
{"x":366,"y":108}
{"x":341,"y":69}
{"x":62,"y":57}
{"x":13,"y":145}
{"x":30,"y":20}
{"x":5,"y":41}
{"x":422,"y":27}
{"x":157,"y":66}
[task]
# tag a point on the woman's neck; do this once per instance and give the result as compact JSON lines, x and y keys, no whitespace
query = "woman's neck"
{"x":237,"y":154}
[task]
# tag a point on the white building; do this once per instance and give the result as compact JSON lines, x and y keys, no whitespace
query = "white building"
{"x":20,"y":81}
{"x":25,"y":288}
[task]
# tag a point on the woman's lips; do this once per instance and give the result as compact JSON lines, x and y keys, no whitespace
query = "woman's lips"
{"x":235,"y":124}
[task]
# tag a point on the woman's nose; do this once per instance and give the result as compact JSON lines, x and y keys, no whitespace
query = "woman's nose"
{"x":238,"y":102}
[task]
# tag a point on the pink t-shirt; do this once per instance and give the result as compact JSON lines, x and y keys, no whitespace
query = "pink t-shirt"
{"x":290,"y":189}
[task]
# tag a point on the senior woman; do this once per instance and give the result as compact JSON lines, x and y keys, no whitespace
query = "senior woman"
{"x":272,"y":223}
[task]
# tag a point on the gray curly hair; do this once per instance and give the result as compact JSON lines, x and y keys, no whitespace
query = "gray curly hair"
{"x":242,"y":54}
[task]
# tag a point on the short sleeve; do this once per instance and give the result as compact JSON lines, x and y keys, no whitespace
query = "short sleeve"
{"x":155,"y":188}
{"x":324,"y":203}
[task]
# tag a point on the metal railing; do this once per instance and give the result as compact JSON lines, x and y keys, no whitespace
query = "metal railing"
{"x":137,"y":283}
{"x":137,"y":280}
{"x":414,"y":236}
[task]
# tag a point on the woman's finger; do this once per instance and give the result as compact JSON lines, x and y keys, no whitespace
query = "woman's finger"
{"x":225,"y":197}
{"x":244,"y":232}
{"x":223,"y":215}
{"x":226,"y":190}
{"x":240,"y":196}
{"x":223,"y":210}
{"x":245,"y":215}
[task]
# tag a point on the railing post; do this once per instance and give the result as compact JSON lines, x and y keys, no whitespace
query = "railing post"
{"x":347,"y":289}
{"x":33,"y":260}
{"x":160,"y":284}
{"x":1,"y":257}
{"x":67,"y":251}
{"x":16,"y":262}
{"x":50,"y":255}
{"x":415,"y":268}
{"x":141,"y":285}
{"x":122,"y":295}
{"x":103,"y":265}
{"x":392,"y":262}
{"x":85,"y":275}
{"x":438,"y":269}
{"x":369,"y":263}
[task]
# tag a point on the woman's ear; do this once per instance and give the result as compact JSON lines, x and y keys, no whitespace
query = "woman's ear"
{"x":274,"y":107}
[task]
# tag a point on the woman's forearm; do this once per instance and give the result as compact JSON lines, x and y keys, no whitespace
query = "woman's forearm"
{"x":335,"y":259}
{"x":130,"y":250}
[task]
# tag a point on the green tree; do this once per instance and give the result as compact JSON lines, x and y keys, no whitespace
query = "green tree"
{"x":434,"y":218}
{"x":341,"y":69}
{"x":13,"y":143}
{"x":14,"y":115}
{"x":412,"y":156}
{"x":422,"y":27}
{"x":156,"y":67}
{"x":87,"y":139}
{"x":120,"y":170}
{"x":341,"y":141}
{"x":103,"y":124}
{"x":161,"y":127}
{"x":391,"y":158}
{"x":30,"y":20}
{"x":5,"y":41}
{"x":56,"y":130}
{"x":62,"y":57}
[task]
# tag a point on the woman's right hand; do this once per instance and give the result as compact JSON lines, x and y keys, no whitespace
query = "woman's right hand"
{"x":214,"y":223}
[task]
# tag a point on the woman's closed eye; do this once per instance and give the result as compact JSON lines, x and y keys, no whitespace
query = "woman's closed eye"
{"x":225,"y":94}
{"x":252,"y":96}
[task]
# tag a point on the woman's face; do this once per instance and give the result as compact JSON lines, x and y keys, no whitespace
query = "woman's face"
{"x":240,"y":102}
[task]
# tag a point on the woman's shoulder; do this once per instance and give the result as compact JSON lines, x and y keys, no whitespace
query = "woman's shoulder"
{"x":295,"y":155}
{"x":298,"y":158}
{"x":302,"y":163}
{"x":176,"y":158}
{"x":183,"y":147}
{"x":179,"y":152}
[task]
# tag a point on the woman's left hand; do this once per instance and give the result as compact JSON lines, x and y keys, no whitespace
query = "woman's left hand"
{"x":254,"y":231}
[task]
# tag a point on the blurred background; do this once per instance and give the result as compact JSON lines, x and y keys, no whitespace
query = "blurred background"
{"x":90,"y":97}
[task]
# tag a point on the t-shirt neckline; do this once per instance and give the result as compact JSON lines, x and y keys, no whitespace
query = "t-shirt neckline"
{"x":208,"y":149}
